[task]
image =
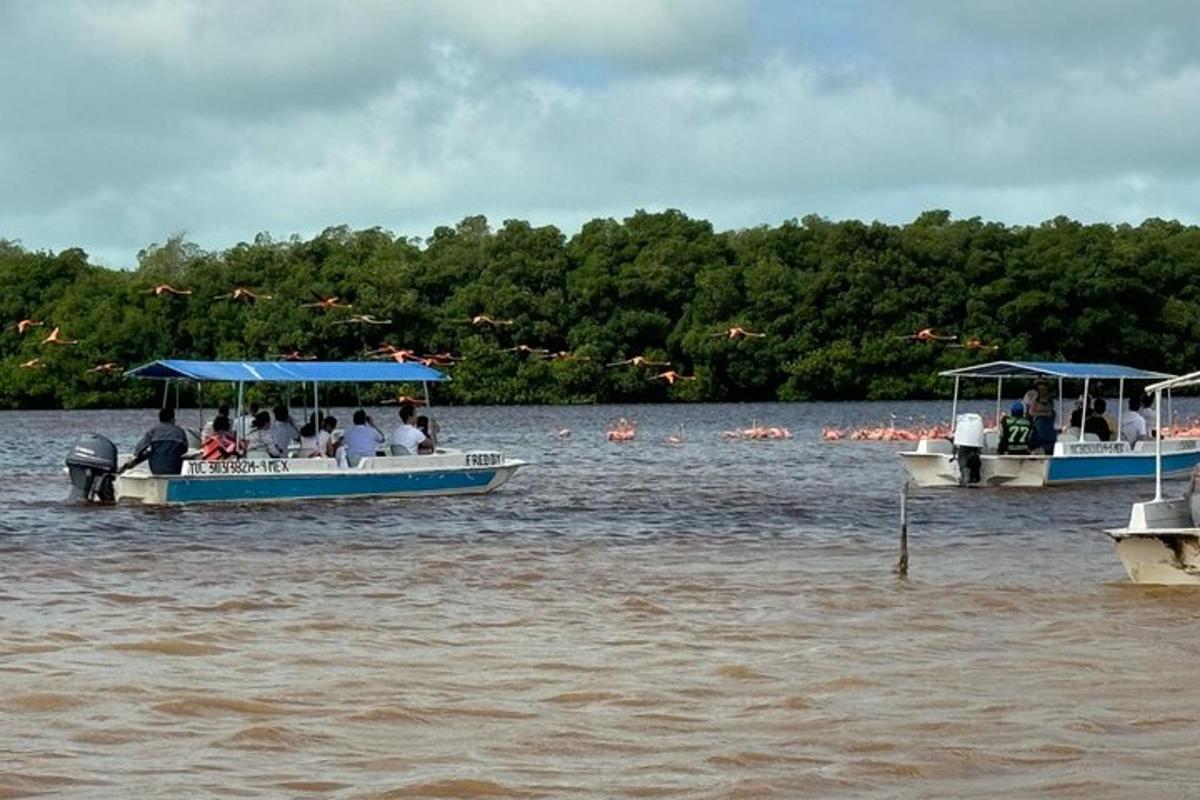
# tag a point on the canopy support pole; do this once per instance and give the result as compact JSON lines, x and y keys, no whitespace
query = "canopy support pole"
{"x":1060,"y":404}
{"x":1083,"y":412}
{"x":1170,"y":414}
{"x":316,"y":406}
{"x":166,"y":392}
{"x":999,"y":389}
{"x":237,"y":428}
{"x":1158,"y":445}
{"x":425,"y":391}
{"x":954,"y":407}
{"x":1120,"y":407}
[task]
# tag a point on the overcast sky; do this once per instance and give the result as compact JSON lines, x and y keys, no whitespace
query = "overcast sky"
{"x":123,"y":122}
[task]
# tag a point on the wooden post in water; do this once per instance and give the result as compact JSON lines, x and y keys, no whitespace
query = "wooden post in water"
{"x":902,"y":565}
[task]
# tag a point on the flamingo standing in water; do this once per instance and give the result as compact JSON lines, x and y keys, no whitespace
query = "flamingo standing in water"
{"x":676,"y":439}
{"x":26,"y":324}
{"x":927,"y":335}
{"x":639,"y":361}
{"x":562,"y":433}
{"x":670,"y":376}
{"x":242,"y":293}
{"x":166,"y":288}
{"x":54,"y":338}
{"x":622,"y":431}
{"x":738,"y":332}
{"x":326,"y":303}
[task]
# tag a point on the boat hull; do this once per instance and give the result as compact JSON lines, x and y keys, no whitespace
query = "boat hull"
{"x":305,"y":479}
{"x":1160,"y":545}
{"x":932,"y":464}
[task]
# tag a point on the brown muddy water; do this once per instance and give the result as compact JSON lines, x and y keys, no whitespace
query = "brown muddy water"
{"x":711,"y":621}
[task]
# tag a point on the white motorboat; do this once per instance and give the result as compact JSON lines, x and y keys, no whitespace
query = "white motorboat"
{"x":1077,"y":456}
{"x":1161,"y":543}
{"x":92,"y":464}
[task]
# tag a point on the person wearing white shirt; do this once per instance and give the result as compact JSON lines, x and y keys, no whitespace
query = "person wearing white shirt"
{"x":363,"y":439}
{"x":245,"y":423}
{"x":284,"y":430}
{"x":1133,"y":424}
{"x":406,"y":438}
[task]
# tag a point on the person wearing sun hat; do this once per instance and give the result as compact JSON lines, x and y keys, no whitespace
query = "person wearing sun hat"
{"x":1016,"y":432}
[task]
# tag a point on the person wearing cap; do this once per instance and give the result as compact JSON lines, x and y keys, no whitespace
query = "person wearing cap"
{"x":1016,"y":432}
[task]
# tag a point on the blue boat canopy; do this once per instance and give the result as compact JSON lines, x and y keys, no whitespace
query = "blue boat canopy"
{"x":287,"y":371}
{"x":1054,"y":369}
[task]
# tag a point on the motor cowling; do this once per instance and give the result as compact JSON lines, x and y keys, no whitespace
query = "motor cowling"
{"x":92,"y":465}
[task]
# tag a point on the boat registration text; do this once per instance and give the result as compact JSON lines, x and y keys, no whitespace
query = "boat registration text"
{"x":252,"y":467}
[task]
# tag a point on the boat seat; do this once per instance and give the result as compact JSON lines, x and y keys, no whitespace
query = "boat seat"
{"x":1091,"y":437}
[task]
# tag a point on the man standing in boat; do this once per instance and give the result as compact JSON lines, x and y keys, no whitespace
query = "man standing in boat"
{"x":164,"y":445}
{"x":1040,"y":410}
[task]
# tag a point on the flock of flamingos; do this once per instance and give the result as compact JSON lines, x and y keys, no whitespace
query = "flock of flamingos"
{"x":621,"y":431}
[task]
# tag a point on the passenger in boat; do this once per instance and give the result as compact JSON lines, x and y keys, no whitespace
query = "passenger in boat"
{"x":1147,"y":412}
{"x":326,"y":445}
{"x":208,"y":429}
{"x":1017,"y":437}
{"x":1133,"y":424}
{"x":309,"y":443}
{"x":219,"y":444}
{"x":164,"y":445}
{"x":283,"y":430}
{"x":430,"y":429}
{"x":261,"y":442}
{"x":1039,"y":407}
{"x":407,"y":438}
{"x":1097,"y":423}
{"x":363,"y":439}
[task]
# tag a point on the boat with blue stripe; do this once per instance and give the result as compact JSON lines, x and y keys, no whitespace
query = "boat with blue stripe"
{"x":444,"y":472}
{"x":1077,"y":456}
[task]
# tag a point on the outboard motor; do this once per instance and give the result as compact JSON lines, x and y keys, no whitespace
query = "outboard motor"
{"x":968,"y":444}
{"x":92,"y":464}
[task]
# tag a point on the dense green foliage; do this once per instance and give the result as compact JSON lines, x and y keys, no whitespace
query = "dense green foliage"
{"x":834,"y":298}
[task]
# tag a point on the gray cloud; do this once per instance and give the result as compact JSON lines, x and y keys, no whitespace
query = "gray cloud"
{"x":126,"y":121}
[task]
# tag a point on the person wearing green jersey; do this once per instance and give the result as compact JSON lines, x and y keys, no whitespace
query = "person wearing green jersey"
{"x":1017,"y":436}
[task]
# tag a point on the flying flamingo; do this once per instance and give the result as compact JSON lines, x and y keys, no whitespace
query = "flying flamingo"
{"x":33,"y":363}
{"x":166,"y":288}
{"x":394,"y":353}
{"x":976,"y":344}
{"x":439,"y":359}
{"x":53,"y":338}
{"x":293,"y":355}
{"x":242,"y":293}
{"x":326,"y":303}
{"x":363,"y":319}
{"x":524,"y":348}
{"x":484,"y":319}
{"x":564,"y":355}
{"x":106,"y":367}
{"x":26,"y":324}
{"x":401,"y":400}
{"x":738,"y":332}
{"x":670,"y":376}
{"x":639,"y":361}
{"x":927,"y":335}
